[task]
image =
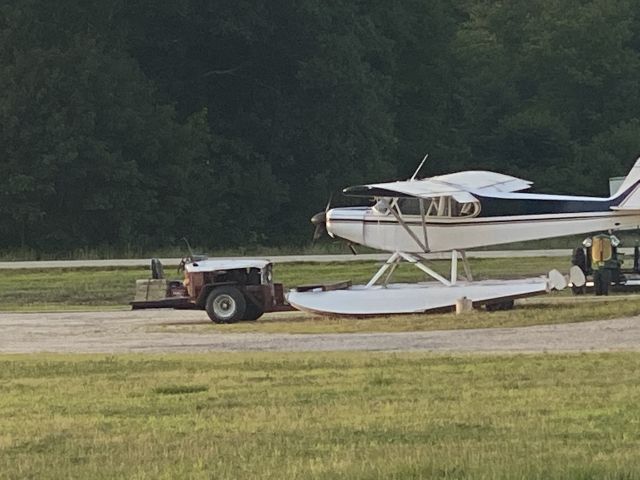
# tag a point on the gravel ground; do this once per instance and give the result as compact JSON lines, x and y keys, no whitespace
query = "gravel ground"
{"x":135,"y":332}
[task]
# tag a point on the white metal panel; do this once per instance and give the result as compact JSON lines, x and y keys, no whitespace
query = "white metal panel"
{"x":211,"y":265}
{"x":480,"y":179}
{"x":463,"y":197}
{"x":418,"y":188}
{"x":456,"y":234}
{"x":457,"y":183}
{"x":410,"y":298}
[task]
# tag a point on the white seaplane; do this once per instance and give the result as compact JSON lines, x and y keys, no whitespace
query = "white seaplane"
{"x":452,"y":213}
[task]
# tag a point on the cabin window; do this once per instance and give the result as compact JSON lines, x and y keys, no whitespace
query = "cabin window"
{"x":438,"y":207}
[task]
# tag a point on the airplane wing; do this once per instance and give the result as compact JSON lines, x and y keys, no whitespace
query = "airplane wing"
{"x":461,"y":186}
{"x":480,"y":181}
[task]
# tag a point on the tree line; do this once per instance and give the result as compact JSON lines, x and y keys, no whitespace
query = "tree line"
{"x":139,"y":122}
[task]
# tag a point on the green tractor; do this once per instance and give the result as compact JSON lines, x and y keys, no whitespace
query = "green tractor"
{"x":599,"y":258}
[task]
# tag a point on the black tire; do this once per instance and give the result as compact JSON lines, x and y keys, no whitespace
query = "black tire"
{"x":505,"y":305}
{"x":578,"y":290}
{"x":253,"y":312}
{"x":226,"y":304}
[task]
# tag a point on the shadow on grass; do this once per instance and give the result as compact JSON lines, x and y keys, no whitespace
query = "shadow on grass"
{"x":180,"y":389}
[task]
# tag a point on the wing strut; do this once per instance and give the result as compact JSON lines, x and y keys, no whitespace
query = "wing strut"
{"x":465,"y":265}
{"x":423,"y":214}
{"x":423,"y":246}
{"x":393,"y":259}
{"x":415,"y":260}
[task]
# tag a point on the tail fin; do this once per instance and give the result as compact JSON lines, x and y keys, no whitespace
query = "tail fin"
{"x":628,"y":194}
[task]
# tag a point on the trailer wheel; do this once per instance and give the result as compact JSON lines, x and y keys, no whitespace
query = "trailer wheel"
{"x":226,"y":305}
{"x":494,"y":307}
{"x":253,"y":311}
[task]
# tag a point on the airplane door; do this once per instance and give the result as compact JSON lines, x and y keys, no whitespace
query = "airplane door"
{"x":378,"y":228}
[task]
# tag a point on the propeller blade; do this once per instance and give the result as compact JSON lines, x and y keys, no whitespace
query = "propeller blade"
{"x":328,"y":207}
{"x":320,"y":221}
{"x":317,"y":233}
{"x":352,"y":248}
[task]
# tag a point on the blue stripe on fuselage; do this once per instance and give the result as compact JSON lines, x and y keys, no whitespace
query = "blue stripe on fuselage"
{"x":499,"y":207}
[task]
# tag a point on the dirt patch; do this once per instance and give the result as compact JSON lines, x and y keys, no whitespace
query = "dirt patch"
{"x":136,"y":331}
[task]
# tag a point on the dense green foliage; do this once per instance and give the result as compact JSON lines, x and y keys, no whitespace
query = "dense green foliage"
{"x":320,"y":416}
{"x":231,"y":122}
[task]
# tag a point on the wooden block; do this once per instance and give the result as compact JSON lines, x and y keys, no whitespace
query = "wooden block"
{"x":151,"y":289}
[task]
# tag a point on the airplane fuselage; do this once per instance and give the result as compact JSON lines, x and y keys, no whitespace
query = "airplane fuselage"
{"x":514,"y":218}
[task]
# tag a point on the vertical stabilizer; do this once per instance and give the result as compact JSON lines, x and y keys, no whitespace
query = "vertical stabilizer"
{"x":630,"y":190}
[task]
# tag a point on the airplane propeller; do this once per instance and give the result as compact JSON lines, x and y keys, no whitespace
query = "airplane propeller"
{"x":320,"y":221}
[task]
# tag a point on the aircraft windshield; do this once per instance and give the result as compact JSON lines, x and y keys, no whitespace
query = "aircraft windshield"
{"x":440,"y":207}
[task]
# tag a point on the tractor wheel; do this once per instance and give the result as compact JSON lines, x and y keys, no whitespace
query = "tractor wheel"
{"x":226,"y":305}
{"x":253,"y":311}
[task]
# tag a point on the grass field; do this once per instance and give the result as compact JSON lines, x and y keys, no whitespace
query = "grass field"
{"x":318,"y":416}
{"x":49,"y":289}
{"x":324,"y":416}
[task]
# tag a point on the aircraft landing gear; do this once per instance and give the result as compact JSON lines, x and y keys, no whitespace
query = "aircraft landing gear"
{"x":418,"y":261}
